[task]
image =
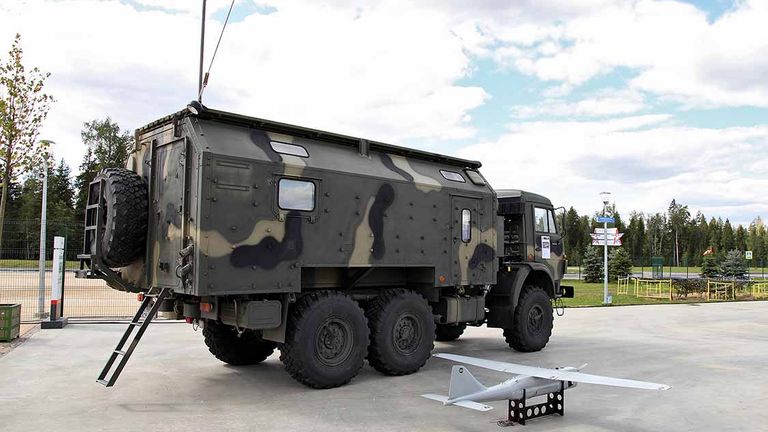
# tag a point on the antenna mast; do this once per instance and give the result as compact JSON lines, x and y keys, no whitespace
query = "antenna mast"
{"x":202,"y":53}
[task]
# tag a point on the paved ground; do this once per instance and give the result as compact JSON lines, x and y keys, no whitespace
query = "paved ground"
{"x":713,"y":356}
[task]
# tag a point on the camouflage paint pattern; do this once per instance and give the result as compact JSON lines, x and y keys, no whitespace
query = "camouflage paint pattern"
{"x":216,"y":187}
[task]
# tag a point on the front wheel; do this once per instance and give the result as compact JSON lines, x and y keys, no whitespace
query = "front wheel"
{"x":532,"y":321}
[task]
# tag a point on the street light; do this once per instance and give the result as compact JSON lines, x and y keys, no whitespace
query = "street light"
{"x":606,"y":197}
{"x":43,"y":211}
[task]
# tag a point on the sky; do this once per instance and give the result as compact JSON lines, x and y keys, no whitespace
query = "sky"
{"x":650,"y":100}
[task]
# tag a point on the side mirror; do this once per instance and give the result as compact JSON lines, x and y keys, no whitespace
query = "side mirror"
{"x":562,"y":219}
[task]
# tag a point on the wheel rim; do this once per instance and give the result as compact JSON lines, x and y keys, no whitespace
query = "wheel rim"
{"x":334,"y":341}
{"x":535,"y":319}
{"x":406,"y":334}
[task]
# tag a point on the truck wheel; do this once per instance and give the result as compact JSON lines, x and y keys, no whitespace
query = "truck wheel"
{"x":532,"y":320}
{"x":125,"y":218}
{"x":449,"y":332}
{"x":326,"y":339}
{"x":238,"y":350}
{"x":402,"y":332}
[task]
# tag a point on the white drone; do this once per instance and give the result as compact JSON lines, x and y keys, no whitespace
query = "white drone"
{"x":465,"y":391}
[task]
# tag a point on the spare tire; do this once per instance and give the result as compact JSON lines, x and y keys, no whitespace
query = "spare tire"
{"x":125,"y":217}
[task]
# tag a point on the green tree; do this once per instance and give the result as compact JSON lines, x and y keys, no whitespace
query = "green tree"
{"x":741,"y":238}
{"x":710,"y":267}
{"x":634,"y":238}
{"x":619,"y":264}
{"x":23,"y":108}
{"x":728,"y":241}
{"x":734,"y":265}
{"x":678,"y":216}
{"x":715,"y":231}
{"x":593,"y":265}
{"x":108,"y":146}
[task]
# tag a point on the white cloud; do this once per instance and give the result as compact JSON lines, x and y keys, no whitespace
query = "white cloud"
{"x":369,"y":69}
{"x":606,"y":102}
{"x":677,"y":53}
{"x":645,"y":161}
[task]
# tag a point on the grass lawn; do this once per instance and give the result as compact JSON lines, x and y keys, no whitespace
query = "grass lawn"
{"x":591,"y":294}
{"x":33,"y":264}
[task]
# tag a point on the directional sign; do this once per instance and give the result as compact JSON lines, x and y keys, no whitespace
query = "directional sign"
{"x":608,"y":219}
{"x":749,"y":255}
{"x":610,"y":231}
{"x":612,"y":241}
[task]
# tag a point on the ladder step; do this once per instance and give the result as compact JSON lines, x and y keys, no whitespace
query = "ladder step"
{"x":131,"y":338}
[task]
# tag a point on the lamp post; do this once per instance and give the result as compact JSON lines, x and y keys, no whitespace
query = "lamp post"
{"x":41,"y":265}
{"x":606,"y":199}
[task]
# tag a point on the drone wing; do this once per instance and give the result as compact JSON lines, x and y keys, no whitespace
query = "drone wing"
{"x":552,"y":374}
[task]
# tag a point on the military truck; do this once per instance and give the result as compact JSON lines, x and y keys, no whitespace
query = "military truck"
{"x":332,"y":249}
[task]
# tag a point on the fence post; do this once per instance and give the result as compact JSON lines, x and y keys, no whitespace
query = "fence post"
{"x":56,"y":321}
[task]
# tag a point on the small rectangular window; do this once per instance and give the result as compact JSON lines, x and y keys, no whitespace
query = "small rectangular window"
{"x":466,"y":225}
{"x":296,"y":195}
{"x":289,"y":149}
{"x":475,"y":177}
{"x":541,"y":220}
{"x":552,"y":224}
{"x":452,"y":176}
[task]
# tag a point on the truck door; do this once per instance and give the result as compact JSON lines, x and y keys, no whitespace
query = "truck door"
{"x":465,"y":237}
{"x":548,"y":244}
{"x":166,"y":211}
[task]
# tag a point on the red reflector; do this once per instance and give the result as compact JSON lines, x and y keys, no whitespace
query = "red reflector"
{"x":206,"y":307}
{"x":188,"y":320}
{"x":54,"y":301}
{"x":140,"y":297}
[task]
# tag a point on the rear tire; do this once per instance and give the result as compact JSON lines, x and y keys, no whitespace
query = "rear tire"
{"x":449,"y":332}
{"x":533,"y":321}
{"x":402,"y":332}
{"x":237,"y":350}
{"x":125,"y":219}
{"x":326,"y":339}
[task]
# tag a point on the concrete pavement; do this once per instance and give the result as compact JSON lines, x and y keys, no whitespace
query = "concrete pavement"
{"x":713,"y":356}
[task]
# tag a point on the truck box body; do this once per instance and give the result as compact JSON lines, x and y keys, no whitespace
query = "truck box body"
{"x":274,"y":208}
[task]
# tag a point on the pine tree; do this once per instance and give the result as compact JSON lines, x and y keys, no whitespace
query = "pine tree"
{"x":734,"y":265}
{"x":593,"y":265}
{"x":710,"y":268}
{"x":619,"y":264}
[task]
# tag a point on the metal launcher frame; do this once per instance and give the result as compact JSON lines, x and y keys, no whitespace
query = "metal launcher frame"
{"x":519,"y":412}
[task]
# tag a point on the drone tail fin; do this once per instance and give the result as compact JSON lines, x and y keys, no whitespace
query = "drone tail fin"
{"x":463,"y":383}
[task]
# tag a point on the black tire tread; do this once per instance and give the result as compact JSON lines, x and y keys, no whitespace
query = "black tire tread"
{"x":288,"y":355}
{"x":375,"y":309}
{"x":449,"y":332}
{"x":247,"y":349}
{"x":125,"y":231}
{"x":514,"y":336}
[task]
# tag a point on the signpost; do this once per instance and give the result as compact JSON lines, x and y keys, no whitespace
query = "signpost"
{"x":748,"y":256}
{"x":605,"y":219}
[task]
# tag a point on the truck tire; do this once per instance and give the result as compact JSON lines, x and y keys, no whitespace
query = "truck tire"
{"x":237,"y":350}
{"x":125,"y":219}
{"x":402,"y":332}
{"x":533,"y":321}
{"x":326,"y":339}
{"x":449,"y":332}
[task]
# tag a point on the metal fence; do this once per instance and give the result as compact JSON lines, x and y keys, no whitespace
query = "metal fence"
{"x":20,"y":276}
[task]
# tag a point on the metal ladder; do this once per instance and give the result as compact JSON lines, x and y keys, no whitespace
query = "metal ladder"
{"x":153,"y":303}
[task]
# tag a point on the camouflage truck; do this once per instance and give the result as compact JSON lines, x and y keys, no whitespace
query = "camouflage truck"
{"x":333,"y":249}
